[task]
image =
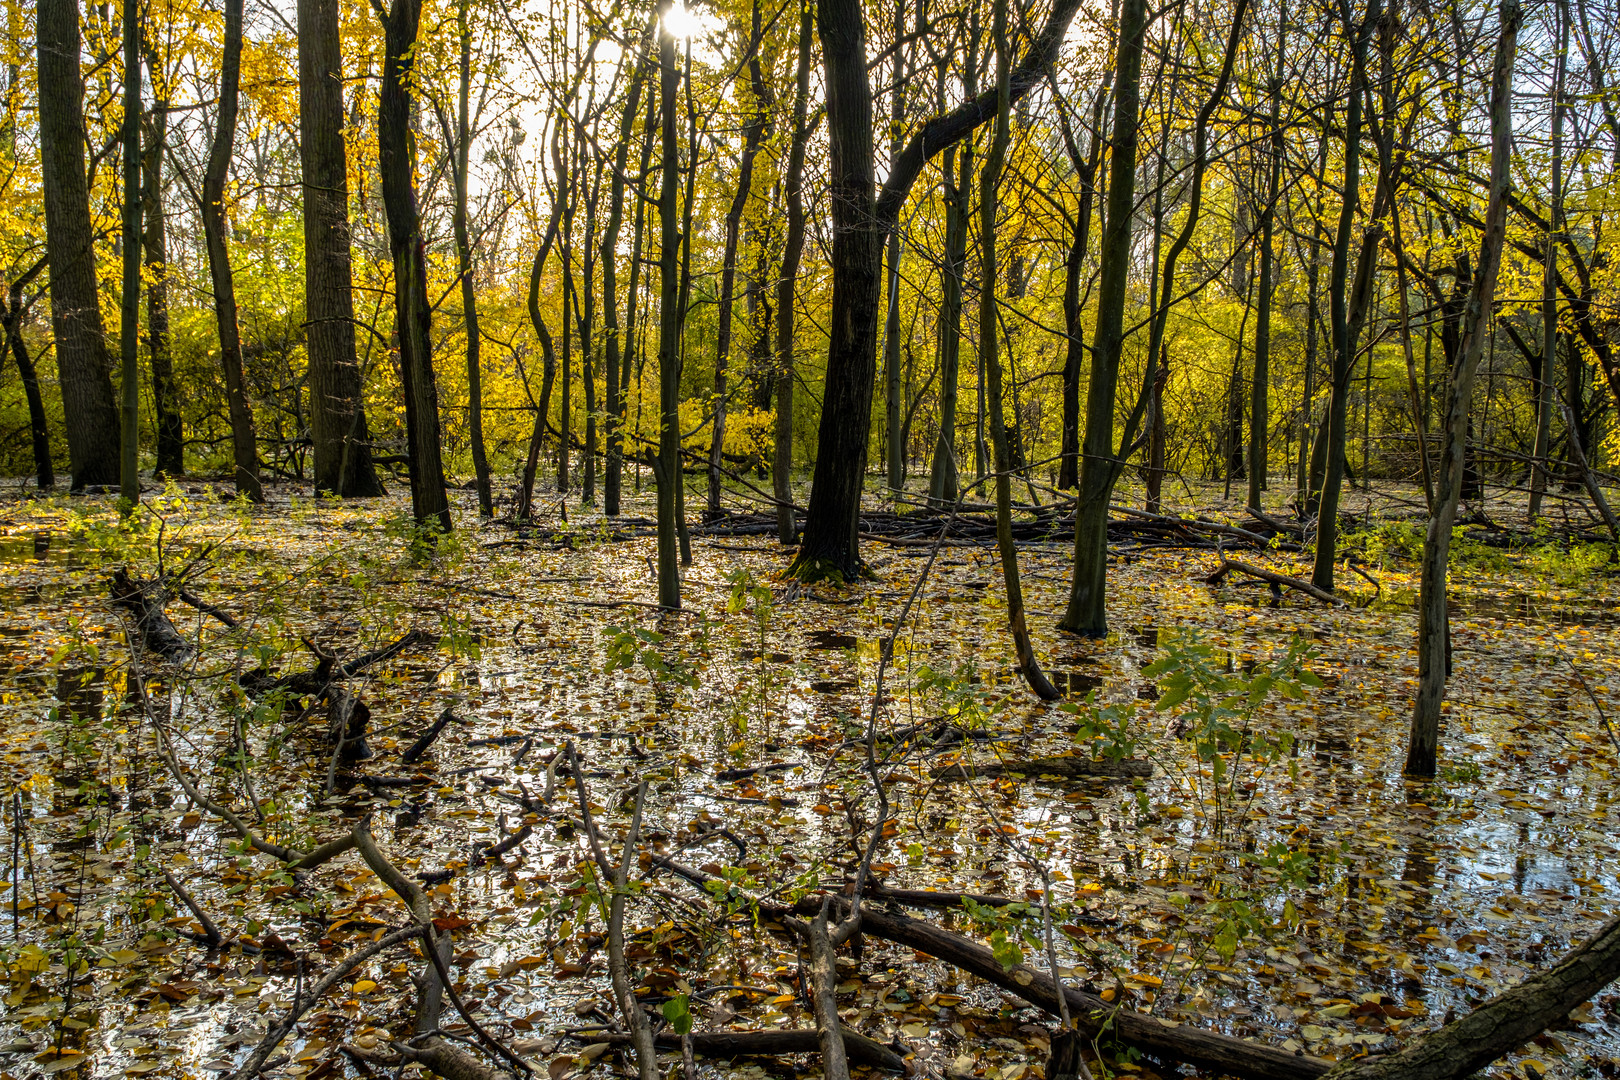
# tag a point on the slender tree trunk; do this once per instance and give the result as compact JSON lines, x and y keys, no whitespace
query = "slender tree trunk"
{"x":548,"y":359}
{"x":337,"y":415}
{"x":1087,"y":609}
{"x":669,"y":372}
{"x":464,"y":267}
{"x":38,"y":431}
{"x":83,"y":366}
{"x":792,"y":248}
{"x":396,"y":146}
{"x":943,"y":480}
{"x":1074,"y":267}
{"x":129,"y":329}
{"x":990,"y":357}
{"x":565,"y":413}
{"x":1344,"y":344}
{"x":585,"y":315}
{"x":1545,"y":386}
{"x":893,"y":391}
{"x":754,"y":132}
{"x":155,"y":242}
{"x":1422,"y":750}
{"x":614,"y":418}
{"x":1260,"y":389}
{"x":244,"y":442}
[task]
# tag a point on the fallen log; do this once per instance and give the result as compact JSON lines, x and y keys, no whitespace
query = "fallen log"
{"x":346,"y":720}
{"x":419,"y":747}
{"x":1271,"y":577}
{"x":1071,"y":767}
{"x":1097,"y":1018}
{"x":736,"y":1044}
{"x":1508,"y":1020}
{"x":1094,"y":1016}
{"x":145,"y":600}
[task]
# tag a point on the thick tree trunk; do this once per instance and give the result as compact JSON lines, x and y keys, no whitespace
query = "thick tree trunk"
{"x":1087,"y":610}
{"x":129,"y":329}
{"x":337,"y":417}
{"x":396,"y":152}
{"x":792,"y":249}
{"x":83,"y":366}
{"x":244,"y":443}
{"x":165,"y":395}
{"x":669,"y":372}
{"x":1433,"y":629}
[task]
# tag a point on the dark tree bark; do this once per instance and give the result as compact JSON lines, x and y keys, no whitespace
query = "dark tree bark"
{"x":83,"y":366}
{"x":155,"y":241}
{"x":1260,"y":388}
{"x":1433,"y":627}
{"x":1544,"y":385}
{"x":830,"y":545}
{"x":1087,"y":613}
{"x":669,"y":288}
{"x":342,"y":441}
{"x":396,"y":152}
{"x":38,"y":431}
{"x":894,"y":400}
{"x":792,"y":249}
{"x":244,"y":443}
{"x":1074,"y":266}
{"x":548,"y":359}
{"x":129,"y":328}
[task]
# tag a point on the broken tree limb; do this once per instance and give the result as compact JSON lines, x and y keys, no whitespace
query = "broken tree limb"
{"x":328,"y":670}
{"x":211,"y":933}
{"x":735,"y":1044}
{"x":1048,"y":766}
{"x":824,"y":997}
{"x":1092,"y":1015}
{"x":419,"y":747}
{"x":1271,"y":577}
{"x":144,"y":600}
{"x":1508,"y":1020}
{"x":303,"y":1002}
{"x":218,"y":614}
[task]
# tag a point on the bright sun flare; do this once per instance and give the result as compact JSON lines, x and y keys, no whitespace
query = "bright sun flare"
{"x":682,"y":22}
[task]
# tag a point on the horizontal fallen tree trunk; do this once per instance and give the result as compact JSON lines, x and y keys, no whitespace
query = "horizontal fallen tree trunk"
{"x":1229,"y":566}
{"x":1509,"y":1020}
{"x":1048,"y":766}
{"x":145,"y":600}
{"x":735,"y":1044}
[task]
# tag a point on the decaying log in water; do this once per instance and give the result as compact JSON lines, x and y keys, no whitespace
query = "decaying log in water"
{"x":144,"y":600}
{"x":736,"y":1044}
{"x":1094,"y":1016}
{"x":328,"y":670}
{"x":1047,"y":766}
{"x":1509,"y":1020}
{"x":419,"y":747}
{"x":346,"y":720}
{"x":1271,"y":577}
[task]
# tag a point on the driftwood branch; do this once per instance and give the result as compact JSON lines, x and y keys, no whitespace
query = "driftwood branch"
{"x":211,"y":932}
{"x":1049,"y":766}
{"x":419,"y":747}
{"x":1271,"y":577}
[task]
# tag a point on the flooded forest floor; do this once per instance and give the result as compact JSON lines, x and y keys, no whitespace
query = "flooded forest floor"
{"x":1275,"y":878}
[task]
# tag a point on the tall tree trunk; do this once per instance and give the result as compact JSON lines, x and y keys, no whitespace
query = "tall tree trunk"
{"x":585,"y":314}
{"x":396,"y":153}
{"x":1344,"y":321}
{"x":943,"y":478}
{"x":83,"y":366}
{"x":792,"y":249}
{"x":337,"y":415}
{"x":1422,"y":749}
{"x":244,"y":442}
{"x":669,"y":372}
{"x":155,"y":242}
{"x":830,"y":544}
{"x":893,"y":393}
{"x":1087,"y":610}
{"x":38,"y":431}
{"x":1260,"y":388}
{"x":464,"y":267}
{"x":614,"y":418}
{"x":1549,"y":279}
{"x":755,"y":129}
{"x":129,"y":329}
{"x":548,"y":359}
{"x":990,"y":357}
{"x":565,"y":413}
{"x":1074,"y":266}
